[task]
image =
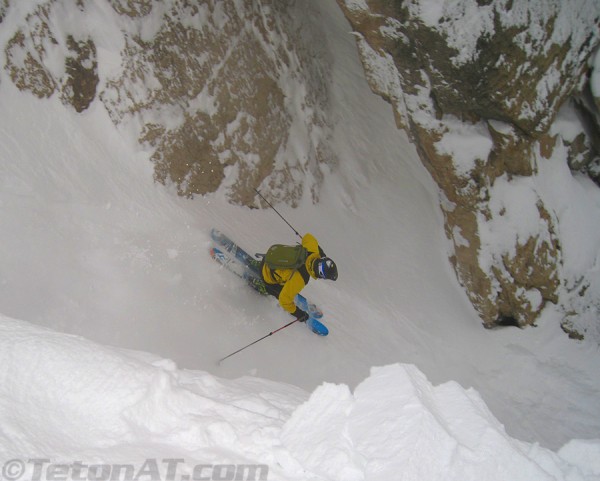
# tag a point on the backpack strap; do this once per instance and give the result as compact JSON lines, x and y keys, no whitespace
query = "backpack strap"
{"x":303,"y":271}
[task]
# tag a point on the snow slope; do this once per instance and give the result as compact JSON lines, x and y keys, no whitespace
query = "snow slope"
{"x":90,"y":246}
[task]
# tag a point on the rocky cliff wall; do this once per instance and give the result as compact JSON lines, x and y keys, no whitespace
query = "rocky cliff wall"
{"x":478,"y":85}
{"x":213,"y":89}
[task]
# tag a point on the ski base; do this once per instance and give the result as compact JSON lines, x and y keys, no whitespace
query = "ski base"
{"x":317,"y":326}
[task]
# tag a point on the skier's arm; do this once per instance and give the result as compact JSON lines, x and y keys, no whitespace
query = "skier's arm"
{"x":309,"y":242}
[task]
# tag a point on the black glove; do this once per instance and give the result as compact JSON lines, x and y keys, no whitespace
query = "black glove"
{"x":300,"y":315}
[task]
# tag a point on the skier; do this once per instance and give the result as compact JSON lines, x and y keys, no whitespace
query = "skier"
{"x":285,"y":284}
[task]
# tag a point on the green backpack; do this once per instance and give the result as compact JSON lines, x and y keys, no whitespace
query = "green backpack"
{"x":281,"y":256}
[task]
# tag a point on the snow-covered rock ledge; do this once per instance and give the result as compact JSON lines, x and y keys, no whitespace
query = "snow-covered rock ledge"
{"x":496,"y":97}
{"x":67,"y":403}
{"x":220,"y":93}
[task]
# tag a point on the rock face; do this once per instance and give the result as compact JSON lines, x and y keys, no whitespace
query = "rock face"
{"x":213,"y":89}
{"x":478,"y":86}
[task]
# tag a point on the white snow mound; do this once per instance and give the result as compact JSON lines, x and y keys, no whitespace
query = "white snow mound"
{"x":66,"y":398}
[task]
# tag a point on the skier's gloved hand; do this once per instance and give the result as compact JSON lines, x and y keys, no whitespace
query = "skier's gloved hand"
{"x":300,"y":315}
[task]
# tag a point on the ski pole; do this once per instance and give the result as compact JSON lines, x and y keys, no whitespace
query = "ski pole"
{"x":252,"y":343}
{"x":269,"y":204}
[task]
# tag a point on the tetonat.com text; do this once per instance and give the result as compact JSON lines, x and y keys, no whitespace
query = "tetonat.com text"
{"x":37,"y":469}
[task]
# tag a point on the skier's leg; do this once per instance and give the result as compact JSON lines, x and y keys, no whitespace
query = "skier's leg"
{"x":255,"y":266}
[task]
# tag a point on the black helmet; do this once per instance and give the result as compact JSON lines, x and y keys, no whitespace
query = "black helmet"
{"x":325,"y":268}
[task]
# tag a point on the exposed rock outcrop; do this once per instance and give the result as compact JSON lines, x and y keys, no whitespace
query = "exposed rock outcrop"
{"x":221,"y":92}
{"x":31,"y":61}
{"x":490,"y":78}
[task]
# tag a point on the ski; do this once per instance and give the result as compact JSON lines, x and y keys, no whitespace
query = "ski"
{"x":231,"y":247}
{"x":252,"y":279}
{"x":238,"y":269}
{"x":312,"y":309}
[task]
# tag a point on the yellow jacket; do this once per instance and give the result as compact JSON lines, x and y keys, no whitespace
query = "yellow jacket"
{"x":294,"y":280}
